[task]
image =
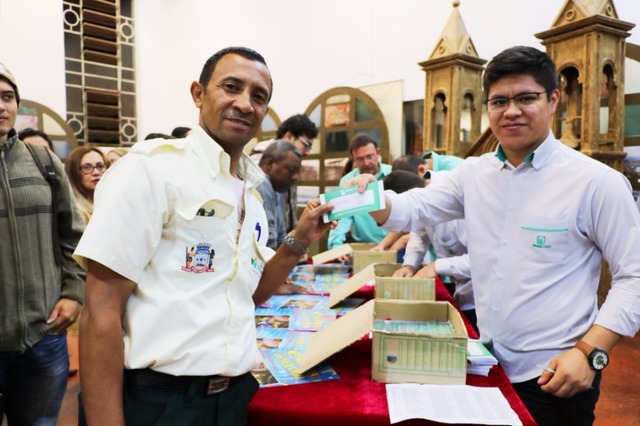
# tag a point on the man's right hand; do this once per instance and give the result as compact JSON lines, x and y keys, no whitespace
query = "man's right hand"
{"x":361,"y":181}
{"x":427,"y":271}
{"x":405,"y":271}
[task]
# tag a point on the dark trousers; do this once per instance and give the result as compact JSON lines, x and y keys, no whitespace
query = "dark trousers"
{"x":549,"y":410}
{"x":154,"y":407}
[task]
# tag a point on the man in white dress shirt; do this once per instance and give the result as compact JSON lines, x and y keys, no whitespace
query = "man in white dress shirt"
{"x":540,"y":219}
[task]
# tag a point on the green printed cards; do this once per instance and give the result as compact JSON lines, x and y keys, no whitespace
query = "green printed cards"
{"x":348,"y":201}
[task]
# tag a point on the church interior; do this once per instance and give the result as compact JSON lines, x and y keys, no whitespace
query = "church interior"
{"x":598,"y":115}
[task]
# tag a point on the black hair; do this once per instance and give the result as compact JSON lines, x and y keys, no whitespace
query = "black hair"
{"x":29,"y":132}
{"x":409,"y":163}
{"x":298,"y":125}
{"x":360,"y":140}
{"x":401,"y":180}
{"x":180,"y":132}
{"x":158,"y":136}
{"x":522,"y":60}
{"x":245,"y":52}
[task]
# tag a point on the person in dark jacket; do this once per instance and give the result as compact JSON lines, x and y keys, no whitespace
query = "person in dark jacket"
{"x":41,"y":294}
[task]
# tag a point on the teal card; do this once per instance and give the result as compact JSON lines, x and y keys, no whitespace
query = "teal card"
{"x":348,"y":201}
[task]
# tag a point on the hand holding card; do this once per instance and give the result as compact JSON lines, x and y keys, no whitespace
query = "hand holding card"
{"x":348,"y":201}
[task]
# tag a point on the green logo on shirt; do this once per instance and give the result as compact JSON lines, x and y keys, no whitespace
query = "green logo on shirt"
{"x":541,"y":242}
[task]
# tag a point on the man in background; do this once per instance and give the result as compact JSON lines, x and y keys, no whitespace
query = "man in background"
{"x":300,"y":131}
{"x":281,"y":163}
{"x":35,"y":137}
{"x":410,"y":163}
{"x":42,"y":286}
{"x":365,"y":152}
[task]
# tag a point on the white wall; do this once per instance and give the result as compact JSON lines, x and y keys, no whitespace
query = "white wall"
{"x":310,"y":45}
{"x":32,"y":46}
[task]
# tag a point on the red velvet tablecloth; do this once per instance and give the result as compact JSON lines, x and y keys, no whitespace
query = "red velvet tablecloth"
{"x":355,"y":399}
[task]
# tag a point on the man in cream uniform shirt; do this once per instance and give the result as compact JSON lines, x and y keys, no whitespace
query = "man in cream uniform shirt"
{"x":177,"y":259}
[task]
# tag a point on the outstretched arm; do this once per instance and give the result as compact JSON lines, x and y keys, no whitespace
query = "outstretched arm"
{"x":309,"y":229}
{"x":361,"y":181}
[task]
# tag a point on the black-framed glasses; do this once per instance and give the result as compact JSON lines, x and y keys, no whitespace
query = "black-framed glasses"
{"x":87,"y":168}
{"x":306,"y":142}
{"x":521,"y":100}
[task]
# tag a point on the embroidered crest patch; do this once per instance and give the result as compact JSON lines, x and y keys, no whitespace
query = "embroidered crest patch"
{"x":199,"y":258}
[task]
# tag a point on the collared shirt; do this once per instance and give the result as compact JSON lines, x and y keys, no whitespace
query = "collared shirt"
{"x":274,"y":209}
{"x":363,"y":228}
{"x":167,"y":217}
{"x":537,"y":234}
{"x":448,"y":241}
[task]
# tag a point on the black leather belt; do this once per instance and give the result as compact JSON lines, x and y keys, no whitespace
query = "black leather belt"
{"x":204,"y":385}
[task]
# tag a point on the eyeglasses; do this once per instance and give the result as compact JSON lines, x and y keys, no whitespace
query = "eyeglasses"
{"x":87,"y":168}
{"x":306,"y":142}
{"x":368,"y":157}
{"x":521,"y":100}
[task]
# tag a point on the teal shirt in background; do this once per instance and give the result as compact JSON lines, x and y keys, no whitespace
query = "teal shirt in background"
{"x":363,"y":228}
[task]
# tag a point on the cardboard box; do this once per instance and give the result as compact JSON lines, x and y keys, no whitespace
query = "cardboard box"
{"x":386,"y":287}
{"x":406,"y":357}
{"x":360,"y":254}
{"x":363,"y":257}
{"x":389,"y":287}
{"x":397,"y":357}
{"x":350,"y":286}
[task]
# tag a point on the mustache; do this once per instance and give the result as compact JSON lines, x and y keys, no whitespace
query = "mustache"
{"x":236,"y":114}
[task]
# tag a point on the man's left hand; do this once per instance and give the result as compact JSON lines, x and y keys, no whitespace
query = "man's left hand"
{"x":572,"y":375}
{"x":290,"y":288}
{"x":311,"y":226}
{"x":64,"y":313}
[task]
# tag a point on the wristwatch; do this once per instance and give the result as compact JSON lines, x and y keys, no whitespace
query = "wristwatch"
{"x":598,"y":359}
{"x":295,"y":245}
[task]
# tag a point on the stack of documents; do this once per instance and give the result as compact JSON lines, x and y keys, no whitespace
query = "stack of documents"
{"x":479,"y":358}
{"x":454,"y":404}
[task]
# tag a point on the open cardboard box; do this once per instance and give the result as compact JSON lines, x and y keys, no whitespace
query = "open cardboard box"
{"x":386,"y":287}
{"x":360,"y":255}
{"x":389,"y":287}
{"x":398,"y":357}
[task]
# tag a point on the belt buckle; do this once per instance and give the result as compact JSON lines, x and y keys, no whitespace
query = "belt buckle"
{"x":217,"y":384}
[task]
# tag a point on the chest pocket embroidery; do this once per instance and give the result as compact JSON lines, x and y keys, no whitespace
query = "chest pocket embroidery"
{"x":544,"y":240}
{"x":202,"y":227}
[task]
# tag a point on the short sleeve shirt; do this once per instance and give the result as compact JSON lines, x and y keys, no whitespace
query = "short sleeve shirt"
{"x":167,"y":217}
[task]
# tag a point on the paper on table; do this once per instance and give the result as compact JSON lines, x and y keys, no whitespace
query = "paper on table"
{"x":449,"y":404}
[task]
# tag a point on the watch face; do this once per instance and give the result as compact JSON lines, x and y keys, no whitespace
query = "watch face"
{"x":599,"y":360}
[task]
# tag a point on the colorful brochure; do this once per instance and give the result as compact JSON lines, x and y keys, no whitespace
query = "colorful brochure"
{"x":280,"y":365}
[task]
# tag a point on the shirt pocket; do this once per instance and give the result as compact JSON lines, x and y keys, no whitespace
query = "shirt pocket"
{"x":205,"y":232}
{"x":544,"y":239}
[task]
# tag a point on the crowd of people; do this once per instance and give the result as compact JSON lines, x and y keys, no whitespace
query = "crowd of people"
{"x":168,"y":270}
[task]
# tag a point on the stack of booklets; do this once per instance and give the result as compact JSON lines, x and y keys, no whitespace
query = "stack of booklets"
{"x":284,"y":324}
{"x":320,"y":279}
{"x":480,"y":360}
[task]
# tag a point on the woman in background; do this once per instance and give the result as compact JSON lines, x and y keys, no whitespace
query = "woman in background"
{"x":115,"y":154}
{"x":85,"y":166}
